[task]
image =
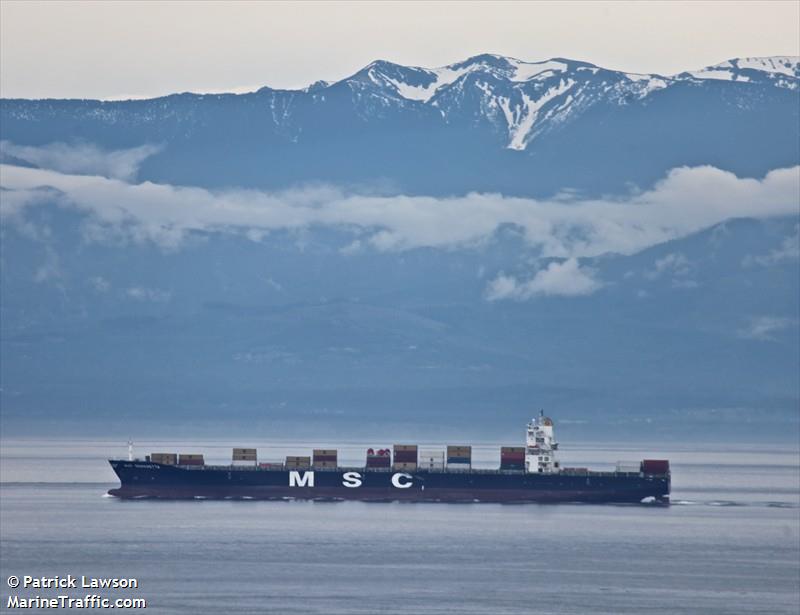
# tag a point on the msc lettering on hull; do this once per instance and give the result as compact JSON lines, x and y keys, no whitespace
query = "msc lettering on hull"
{"x":400,"y":480}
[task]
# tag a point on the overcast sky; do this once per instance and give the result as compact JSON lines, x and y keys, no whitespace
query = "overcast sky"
{"x":119,"y":49}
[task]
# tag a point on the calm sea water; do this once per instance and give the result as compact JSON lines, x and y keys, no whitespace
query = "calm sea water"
{"x":730,"y":543}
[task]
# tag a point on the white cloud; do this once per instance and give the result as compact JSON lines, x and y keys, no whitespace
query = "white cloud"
{"x":154,"y":295}
{"x":674,"y":263}
{"x":787,"y":252}
{"x":566,"y":279}
{"x":685,"y":201}
{"x":100,"y":284}
{"x":763,"y":328}
{"x":82,"y":158}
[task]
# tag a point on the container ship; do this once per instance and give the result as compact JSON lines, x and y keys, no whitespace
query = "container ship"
{"x":528,"y":473}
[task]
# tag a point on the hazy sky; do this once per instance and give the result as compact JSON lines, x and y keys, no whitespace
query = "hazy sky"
{"x":118,"y":49}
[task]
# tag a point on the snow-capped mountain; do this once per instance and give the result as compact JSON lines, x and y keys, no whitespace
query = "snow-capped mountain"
{"x":488,"y":123}
{"x":526,"y":99}
{"x":521,"y":99}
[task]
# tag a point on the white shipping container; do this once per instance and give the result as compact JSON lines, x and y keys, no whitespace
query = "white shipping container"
{"x":459,"y":466}
{"x":431,"y":457}
{"x":628,"y":466}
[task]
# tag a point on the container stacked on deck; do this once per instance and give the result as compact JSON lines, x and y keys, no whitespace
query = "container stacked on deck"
{"x":512,"y":458}
{"x":381,"y":458}
{"x":431,"y":460}
{"x":459,"y":457}
{"x":628,"y":467}
{"x":167,"y":459}
{"x":325,"y":458}
{"x":405,"y":457}
{"x":190,"y":460}
{"x":298,"y":462}
{"x":245,"y":457}
{"x":655,"y":466}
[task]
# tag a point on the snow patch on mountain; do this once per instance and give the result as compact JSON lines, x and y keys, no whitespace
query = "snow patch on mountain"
{"x":441,"y":77}
{"x":522,"y":118}
{"x":525,"y":71}
{"x":783,"y":71}
{"x":784,"y":65}
{"x":644,"y":85}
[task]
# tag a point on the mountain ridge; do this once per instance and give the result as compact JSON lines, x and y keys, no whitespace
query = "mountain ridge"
{"x":779,"y":64}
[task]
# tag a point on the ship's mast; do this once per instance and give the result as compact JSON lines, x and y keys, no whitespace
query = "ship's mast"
{"x":540,"y":453}
{"x":130,"y":449}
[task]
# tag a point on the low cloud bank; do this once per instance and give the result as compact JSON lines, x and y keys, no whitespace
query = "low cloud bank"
{"x":685,"y":201}
{"x":82,"y":158}
{"x":100,"y":184}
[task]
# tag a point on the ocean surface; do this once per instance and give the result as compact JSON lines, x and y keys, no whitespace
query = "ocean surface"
{"x":729,"y":543}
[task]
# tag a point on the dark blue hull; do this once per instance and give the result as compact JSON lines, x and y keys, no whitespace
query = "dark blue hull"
{"x":145,"y":479}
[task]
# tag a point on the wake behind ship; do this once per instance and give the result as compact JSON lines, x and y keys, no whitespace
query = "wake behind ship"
{"x":528,"y":473}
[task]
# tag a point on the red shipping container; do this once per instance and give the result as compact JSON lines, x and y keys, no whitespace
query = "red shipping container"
{"x":655,"y":466}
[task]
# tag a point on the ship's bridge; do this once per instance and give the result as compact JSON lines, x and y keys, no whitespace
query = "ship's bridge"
{"x":540,"y":455}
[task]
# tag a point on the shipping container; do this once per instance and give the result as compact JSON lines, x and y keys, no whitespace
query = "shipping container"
{"x":459,"y":452}
{"x":379,"y":461}
{"x":459,"y":461}
{"x":245,"y":454}
{"x":431,"y":460}
{"x":431,"y":467}
{"x":298,"y":462}
{"x":325,"y":458}
{"x":190,"y":460}
{"x":431,"y":456}
{"x":512,"y":449}
{"x":325,"y":465}
{"x":169,"y":459}
{"x":250,"y":458}
{"x":405,"y":466}
{"x":655,"y":466}
{"x":629,"y":467}
{"x":405,"y":453}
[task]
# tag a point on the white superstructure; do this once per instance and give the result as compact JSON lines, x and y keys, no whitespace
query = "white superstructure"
{"x":540,"y":453}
